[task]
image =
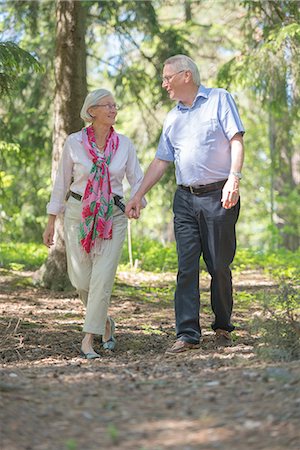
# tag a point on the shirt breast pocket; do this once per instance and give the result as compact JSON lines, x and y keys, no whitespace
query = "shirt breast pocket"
{"x":205,"y":132}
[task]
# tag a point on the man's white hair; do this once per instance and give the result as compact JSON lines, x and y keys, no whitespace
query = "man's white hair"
{"x":183,"y":62}
{"x":91,"y":100}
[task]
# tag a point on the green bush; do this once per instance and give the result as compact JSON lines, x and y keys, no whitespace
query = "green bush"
{"x":156,"y":257}
{"x":152,"y":255}
{"x":280,"y":264}
{"x":279,"y":326}
{"x":20,"y":255}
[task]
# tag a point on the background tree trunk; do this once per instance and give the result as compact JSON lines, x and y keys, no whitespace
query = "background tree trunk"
{"x":70,"y":92}
{"x":285,"y":179}
{"x":286,"y":185}
{"x":188,"y":10}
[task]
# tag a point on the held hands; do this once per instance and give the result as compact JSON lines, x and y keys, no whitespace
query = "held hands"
{"x":133,"y":208}
{"x":230,"y":193}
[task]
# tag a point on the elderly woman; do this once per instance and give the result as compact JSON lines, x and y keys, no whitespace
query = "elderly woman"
{"x":92,"y":167}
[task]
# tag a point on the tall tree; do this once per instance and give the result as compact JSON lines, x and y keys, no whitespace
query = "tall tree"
{"x":70,"y":91}
{"x":268,"y":64}
{"x":127,"y":42}
{"x":25,"y":132}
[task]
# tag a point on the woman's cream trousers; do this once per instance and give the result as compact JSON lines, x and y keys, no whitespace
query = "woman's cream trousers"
{"x":93,"y":275}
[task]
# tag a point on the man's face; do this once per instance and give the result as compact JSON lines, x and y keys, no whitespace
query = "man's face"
{"x":173,"y":81}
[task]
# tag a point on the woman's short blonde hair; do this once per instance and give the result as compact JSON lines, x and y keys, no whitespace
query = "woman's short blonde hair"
{"x":91,"y":100}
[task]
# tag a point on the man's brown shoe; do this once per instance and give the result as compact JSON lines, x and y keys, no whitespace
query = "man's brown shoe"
{"x":181,"y":346}
{"x":223,"y":338}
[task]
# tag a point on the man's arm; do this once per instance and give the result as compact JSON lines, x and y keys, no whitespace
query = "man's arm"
{"x":230,"y":194}
{"x":154,"y":173}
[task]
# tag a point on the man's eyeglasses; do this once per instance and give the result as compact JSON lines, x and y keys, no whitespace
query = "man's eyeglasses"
{"x":108,"y":106}
{"x":169,"y":78}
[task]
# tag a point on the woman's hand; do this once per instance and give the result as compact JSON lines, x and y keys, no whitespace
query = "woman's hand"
{"x":133,"y":208}
{"x":48,"y":234}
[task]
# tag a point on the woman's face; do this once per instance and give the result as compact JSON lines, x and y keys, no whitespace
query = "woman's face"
{"x":104,"y":111}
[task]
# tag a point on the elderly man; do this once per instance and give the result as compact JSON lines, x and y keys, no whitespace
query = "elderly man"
{"x":203,"y":135}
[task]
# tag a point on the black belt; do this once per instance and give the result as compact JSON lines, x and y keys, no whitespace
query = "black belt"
{"x":117,"y":200}
{"x":203,"y":189}
{"x":75,"y":195}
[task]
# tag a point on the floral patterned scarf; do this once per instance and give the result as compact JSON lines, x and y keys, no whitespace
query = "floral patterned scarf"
{"x":97,"y":202}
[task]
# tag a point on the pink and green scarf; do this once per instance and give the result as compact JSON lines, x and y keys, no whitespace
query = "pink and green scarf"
{"x":97,"y":202}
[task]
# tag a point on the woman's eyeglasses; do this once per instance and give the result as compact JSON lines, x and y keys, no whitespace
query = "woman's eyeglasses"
{"x":108,"y":106}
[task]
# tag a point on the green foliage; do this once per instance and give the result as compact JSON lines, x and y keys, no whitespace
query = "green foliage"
{"x":20,"y":256}
{"x":113,"y":433}
{"x":152,"y":255}
{"x":25,"y":140}
{"x":127,"y":43}
{"x":280,"y":264}
{"x":159,"y":294}
{"x":14,"y":62}
{"x":267,"y":67}
{"x":263,"y":64}
{"x":23,"y":200}
{"x":279,"y":326}
{"x":144,"y":43}
{"x":71,"y":444}
{"x":156,"y":257}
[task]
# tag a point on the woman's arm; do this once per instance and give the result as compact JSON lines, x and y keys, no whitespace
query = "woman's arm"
{"x":62,"y":181}
{"x":48,"y":234}
{"x":60,"y":188}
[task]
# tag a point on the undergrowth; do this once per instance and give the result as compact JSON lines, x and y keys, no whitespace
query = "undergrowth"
{"x":278,"y":325}
{"x":154,"y":256}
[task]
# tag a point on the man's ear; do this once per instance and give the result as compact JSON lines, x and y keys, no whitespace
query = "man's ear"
{"x":188,"y":76}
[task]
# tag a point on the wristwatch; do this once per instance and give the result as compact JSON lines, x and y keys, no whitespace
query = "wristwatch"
{"x":237,"y":174}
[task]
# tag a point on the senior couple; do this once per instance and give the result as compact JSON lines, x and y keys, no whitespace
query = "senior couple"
{"x":203,"y":136}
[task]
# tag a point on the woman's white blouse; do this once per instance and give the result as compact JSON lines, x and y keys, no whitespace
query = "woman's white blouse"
{"x":75,"y":166}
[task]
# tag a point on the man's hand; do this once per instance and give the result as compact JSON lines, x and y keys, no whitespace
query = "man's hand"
{"x":154,"y":173}
{"x":133,"y":208}
{"x":230,"y":193}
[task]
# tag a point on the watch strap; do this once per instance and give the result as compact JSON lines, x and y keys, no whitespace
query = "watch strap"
{"x":237,"y":174}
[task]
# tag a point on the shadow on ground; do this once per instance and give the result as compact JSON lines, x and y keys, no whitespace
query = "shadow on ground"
{"x":137,"y":398}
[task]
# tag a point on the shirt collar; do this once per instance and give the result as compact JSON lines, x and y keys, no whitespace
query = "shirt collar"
{"x":202,"y":92}
{"x":78,"y":136}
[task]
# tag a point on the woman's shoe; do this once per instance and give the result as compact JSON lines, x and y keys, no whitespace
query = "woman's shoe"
{"x":110,"y":344}
{"x":89,"y":355}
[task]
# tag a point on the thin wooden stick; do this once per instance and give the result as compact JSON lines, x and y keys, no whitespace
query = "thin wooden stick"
{"x":16,"y":327}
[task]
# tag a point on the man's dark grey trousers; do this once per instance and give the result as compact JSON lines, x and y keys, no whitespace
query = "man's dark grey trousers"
{"x":203,"y":227}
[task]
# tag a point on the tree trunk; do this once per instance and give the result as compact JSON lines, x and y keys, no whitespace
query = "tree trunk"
{"x":272,"y":173}
{"x":188,"y":10}
{"x":284,"y":156}
{"x":70,"y":92}
{"x":287,"y":185}
{"x":285,"y":179}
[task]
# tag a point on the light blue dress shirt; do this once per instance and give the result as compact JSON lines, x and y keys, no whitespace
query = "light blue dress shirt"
{"x":197,"y":138}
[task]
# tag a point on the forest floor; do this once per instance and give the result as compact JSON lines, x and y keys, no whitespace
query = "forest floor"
{"x":138,"y":398}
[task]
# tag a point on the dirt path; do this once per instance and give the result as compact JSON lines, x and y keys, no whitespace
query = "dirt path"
{"x":138,"y":399}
